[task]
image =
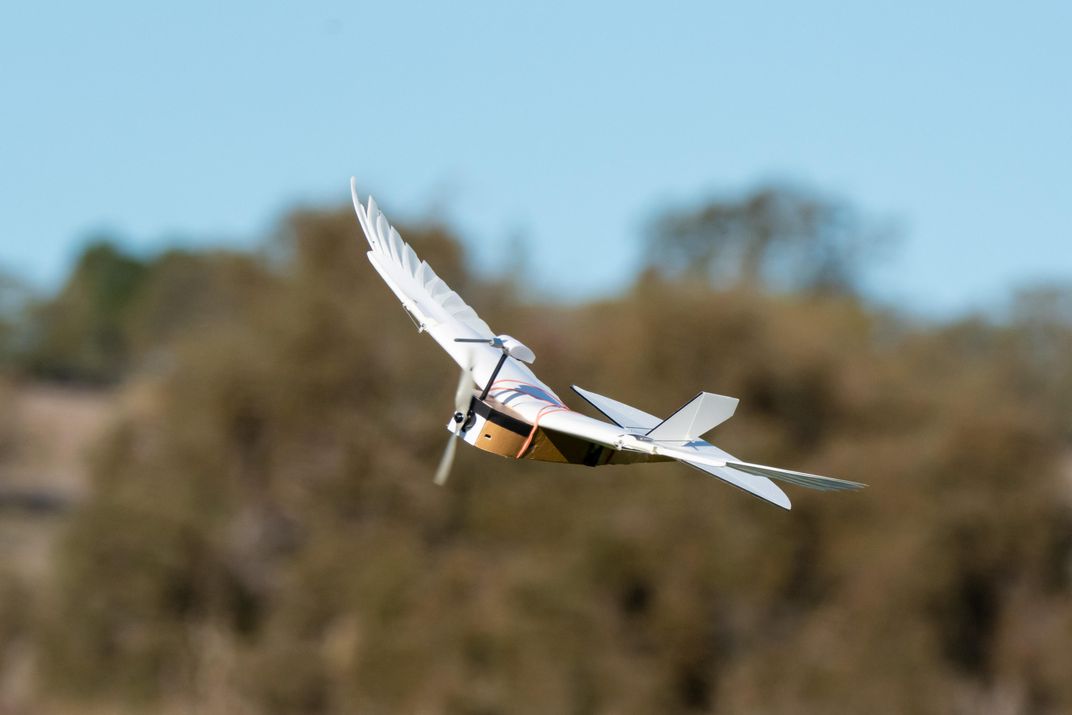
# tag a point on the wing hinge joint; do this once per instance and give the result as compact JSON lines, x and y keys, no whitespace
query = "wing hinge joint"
{"x":417,"y":322}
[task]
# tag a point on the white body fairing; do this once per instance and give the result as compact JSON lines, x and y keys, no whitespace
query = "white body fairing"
{"x":442,"y":313}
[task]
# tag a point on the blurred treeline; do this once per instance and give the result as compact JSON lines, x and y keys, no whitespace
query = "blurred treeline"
{"x":261,"y":533}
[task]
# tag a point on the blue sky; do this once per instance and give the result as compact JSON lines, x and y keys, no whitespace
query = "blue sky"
{"x":565,"y":123}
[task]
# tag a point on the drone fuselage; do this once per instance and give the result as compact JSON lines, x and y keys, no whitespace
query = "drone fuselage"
{"x":493,"y":427}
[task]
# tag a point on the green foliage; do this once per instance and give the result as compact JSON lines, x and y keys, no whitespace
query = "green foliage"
{"x":14,"y":297}
{"x":117,"y":313}
{"x":79,"y":334}
{"x":8,"y":428}
{"x":262,"y":534}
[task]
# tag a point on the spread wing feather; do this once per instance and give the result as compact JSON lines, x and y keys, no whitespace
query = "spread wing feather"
{"x":413,"y":279}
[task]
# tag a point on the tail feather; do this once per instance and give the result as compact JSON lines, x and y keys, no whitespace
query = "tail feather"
{"x":801,"y":479}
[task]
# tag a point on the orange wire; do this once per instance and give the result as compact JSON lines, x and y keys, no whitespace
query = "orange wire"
{"x":547,"y":410}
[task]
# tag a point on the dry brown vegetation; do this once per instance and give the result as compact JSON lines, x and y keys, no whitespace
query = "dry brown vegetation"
{"x":261,"y":533}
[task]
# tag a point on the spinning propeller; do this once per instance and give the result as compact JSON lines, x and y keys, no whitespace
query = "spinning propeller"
{"x":462,"y":395}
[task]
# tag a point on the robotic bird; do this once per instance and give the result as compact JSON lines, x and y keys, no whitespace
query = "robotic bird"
{"x":500,"y":406}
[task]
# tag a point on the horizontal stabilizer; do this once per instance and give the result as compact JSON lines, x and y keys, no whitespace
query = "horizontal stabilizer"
{"x":756,"y":485}
{"x":801,"y":479}
{"x":697,"y":417}
{"x":619,"y":413}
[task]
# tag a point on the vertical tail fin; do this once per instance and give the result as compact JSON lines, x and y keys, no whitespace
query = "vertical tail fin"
{"x":698,"y":416}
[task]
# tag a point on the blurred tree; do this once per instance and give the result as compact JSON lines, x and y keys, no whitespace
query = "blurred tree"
{"x":79,"y":334}
{"x":117,"y":312}
{"x":14,"y":298}
{"x":261,"y":534}
{"x":1040,"y":340}
{"x":776,"y":237}
{"x":185,"y":290}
